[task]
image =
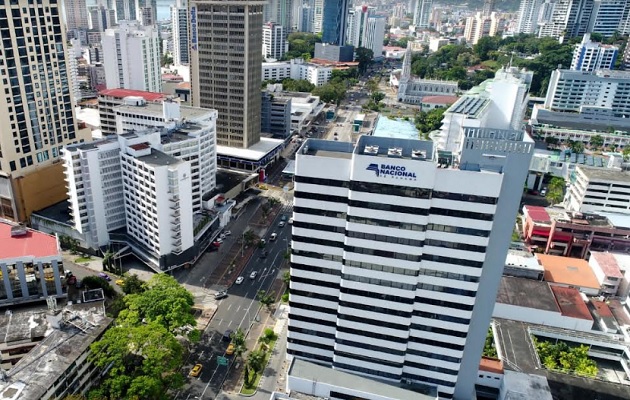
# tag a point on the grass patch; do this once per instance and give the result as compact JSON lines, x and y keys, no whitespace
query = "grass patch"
{"x":82,"y":259}
{"x":254,"y":377}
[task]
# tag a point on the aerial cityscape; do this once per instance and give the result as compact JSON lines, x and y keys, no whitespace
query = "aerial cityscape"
{"x":315,"y":199}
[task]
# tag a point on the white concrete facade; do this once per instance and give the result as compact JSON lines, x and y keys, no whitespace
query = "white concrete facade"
{"x":133,"y":57}
{"x":297,"y":68}
{"x":365,"y":29}
{"x":388,"y":276}
{"x":590,"y":56}
{"x":599,"y":190}
{"x":179,"y":20}
{"x":274,"y":43}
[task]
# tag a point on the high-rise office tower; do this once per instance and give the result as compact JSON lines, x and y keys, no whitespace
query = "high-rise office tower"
{"x":148,"y":11}
{"x":590,"y":56}
{"x":334,"y":22}
{"x":227,"y":74}
{"x":274,"y":41}
{"x":76,"y":14}
{"x":365,"y":29}
{"x":98,"y":18}
{"x":280,"y":12}
{"x":397,"y":253}
{"x":318,"y":16}
{"x":133,"y":57}
{"x":306,"y":17}
{"x":179,"y":19}
{"x":126,"y":10}
{"x":37,"y":117}
{"x":421,"y":13}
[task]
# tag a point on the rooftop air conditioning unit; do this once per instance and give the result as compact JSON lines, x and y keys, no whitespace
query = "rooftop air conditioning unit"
{"x":373,"y":150}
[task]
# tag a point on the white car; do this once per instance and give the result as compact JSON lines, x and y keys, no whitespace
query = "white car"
{"x":290,"y":221}
{"x":227,"y":233}
{"x":253,"y":275}
{"x":219,"y":240}
{"x":280,"y":224}
{"x":239,"y":280}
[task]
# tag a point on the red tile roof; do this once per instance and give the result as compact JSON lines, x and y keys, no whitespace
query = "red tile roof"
{"x":440,"y":99}
{"x":602,"y":308}
{"x":570,"y":302}
{"x":122,"y":93}
{"x":172,"y":77}
{"x":568,"y":271}
{"x":32,"y":244}
{"x":608,"y":263}
{"x":140,"y":146}
{"x":489,"y":364}
{"x":538,"y":214}
{"x":619,"y":311}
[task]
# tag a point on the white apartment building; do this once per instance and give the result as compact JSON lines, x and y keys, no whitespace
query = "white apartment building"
{"x":297,"y":68}
{"x":397,"y":254}
{"x":365,"y":29}
{"x":599,"y":189}
{"x":528,"y":16}
{"x":76,"y":14}
{"x":133,"y":57}
{"x":497,"y":103}
{"x":590,"y":56}
{"x":157,"y":192}
{"x":318,"y":15}
{"x":179,"y":20}
{"x":571,"y":18}
{"x":481,"y":25}
{"x":94,"y":172}
{"x":274,"y":43}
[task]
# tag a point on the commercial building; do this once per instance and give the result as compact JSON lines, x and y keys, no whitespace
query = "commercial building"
{"x":608,"y":273}
{"x":118,"y":184}
{"x":31,"y":264}
{"x":276,"y":114}
{"x":366,"y":30}
{"x":126,"y":10}
{"x":590,"y":56}
{"x":234,"y":90}
{"x":421,"y":13}
{"x":133,"y":55}
{"x":390,"y":278}
{"x":334,"y":24}
{"x":274,"y":41}
{"x":109,"y":99}
{"x":179,"y":30}
{"x":280,"y":12}
{"x":569,"y":272}
{"x":573,"y":18}
{"x":37,"y":116}
{"x":76,"y":14}
{"x":599,"y":189}
{"x":58,"y":344}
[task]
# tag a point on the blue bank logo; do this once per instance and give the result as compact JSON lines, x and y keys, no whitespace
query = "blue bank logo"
{"x":391,"y":171}
{"x":373,"y":167}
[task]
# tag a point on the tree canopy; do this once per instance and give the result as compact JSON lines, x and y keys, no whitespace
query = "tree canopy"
{"x":297,"y":85}
{"x":364,"y":57}
{"x":164,"y":301}
{"x":302,"y":45}
{"x":560,"y":356}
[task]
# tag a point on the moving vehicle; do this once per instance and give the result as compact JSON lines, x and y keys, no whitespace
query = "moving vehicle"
{"x":230,"y":349}
{"x":120,"y":282}
{"x":290,"y":221}
{"x":104,"y":276}
{"x":273,"y":237}
{"x":220,"y":295}
{"x":196,"y":370}
{"x":253,"y":275}
{"x":239,"y":280}
{"x":227,"y":336}
{"x":281,"y":224}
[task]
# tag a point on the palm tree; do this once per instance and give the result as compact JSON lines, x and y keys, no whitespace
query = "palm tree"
{"x":108,"y":259}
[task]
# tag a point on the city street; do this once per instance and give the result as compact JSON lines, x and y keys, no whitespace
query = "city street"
{"x":238,"y":310}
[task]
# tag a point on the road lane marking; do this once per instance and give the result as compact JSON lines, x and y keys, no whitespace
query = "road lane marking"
{"x":230,"y":306}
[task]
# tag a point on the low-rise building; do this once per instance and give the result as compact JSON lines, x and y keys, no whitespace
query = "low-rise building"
{"x":432,"y":102}
{"x":607,"y":271}
{"x":275,"y":114}
{"x":297,"y":68}
{"x":31,"y":265}
{"x":55,"y":346}
{"x":108,"y":99}
{"x":599,"y":189}
{"x":521,"y":263}
{"x":570,"y":272}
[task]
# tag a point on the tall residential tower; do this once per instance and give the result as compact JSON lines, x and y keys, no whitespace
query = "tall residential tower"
{"x":226,"y":66}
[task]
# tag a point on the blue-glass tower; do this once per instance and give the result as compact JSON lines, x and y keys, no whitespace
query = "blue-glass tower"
{"x":334,"y":22}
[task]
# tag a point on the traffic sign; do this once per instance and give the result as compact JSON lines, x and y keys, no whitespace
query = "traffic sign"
{"x":222,"y":360}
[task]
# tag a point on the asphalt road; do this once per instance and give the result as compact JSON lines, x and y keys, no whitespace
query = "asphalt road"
{"x":238,"y":310}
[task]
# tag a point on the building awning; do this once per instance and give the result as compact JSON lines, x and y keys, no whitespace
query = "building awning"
{"x":564,"y":237}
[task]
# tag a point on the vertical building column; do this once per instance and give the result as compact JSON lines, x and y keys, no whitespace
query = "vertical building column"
{"x":40,"y":268}
{"x":7,"y":283}
{"x":55,"y":265}
{"x":22,"y":277}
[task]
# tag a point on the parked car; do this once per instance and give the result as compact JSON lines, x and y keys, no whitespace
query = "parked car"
{"x":281,"y":224}
{"x":196,"y":370}
{"x":220,"y":295}
{"x":227,"y":335}
{"x":104,"y":276}
{"x":230,"y":349}
{"x":227,"y":233}
{"x":290,"y":221}
{"x":253,"y":275}
{"x":543,"y":192}
{"x":120,"y":282}
{"x":273,"y":236}
{"x":239,"y":280}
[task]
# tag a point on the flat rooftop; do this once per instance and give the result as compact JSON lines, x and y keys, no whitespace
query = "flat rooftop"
{"x":318,"y":373}
{"x":156,"y":110}
{"x":19,"y":242}
{"x":38,"y":370}
{"x":528,"y":293}
{"x":469,"y":105}
{"x":255,"y":152}
{"x":522,"y":259}
{"x":395,"y":128}
{"x":159,"y":159}
{"x":570,"y":302}
{"x":605,"y":174}
{"x":568,"y":271}
{"x":537,"y":213}
{"x":608,"y":263}
{"x":59,"y":212}
{"x":122,"y":93}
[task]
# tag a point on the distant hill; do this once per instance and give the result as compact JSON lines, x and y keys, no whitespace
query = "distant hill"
{"x":504,"y":5}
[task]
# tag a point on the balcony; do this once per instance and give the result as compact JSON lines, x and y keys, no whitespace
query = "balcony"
{"x":175,"y":225}
{"x":174,"y":206}
{"x":175,"y":213}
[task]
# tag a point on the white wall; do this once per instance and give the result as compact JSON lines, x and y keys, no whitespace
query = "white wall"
{"x":540,"y":317}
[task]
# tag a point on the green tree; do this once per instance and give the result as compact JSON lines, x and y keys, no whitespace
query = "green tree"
{"x":371,"y":85}
{"x":597,"y":141}
{"x":164,"y":301}
{"x":301,"y":44}
{"x":364,"y":57}
{"x":576,"y":147}
{"x":331,"y":92}
{"x":488,"y":349}
{"x":141,"y":361}
{"x":133,"y":285}
{"x":286,"y":277}
{"x":249,"y":236}
{"x":555,"y":190}
{"x":377,"y":97}
{"x":96,"y":282}
{"x":485,"y":45}
{"x":166,"y":60}
{"x":256,"y":360}
{"x":430,"y":120}
{"x":626,"y":153}
{"x":266,"y":299}
{"x":108,"y":259}
{"x":297,"y":85}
